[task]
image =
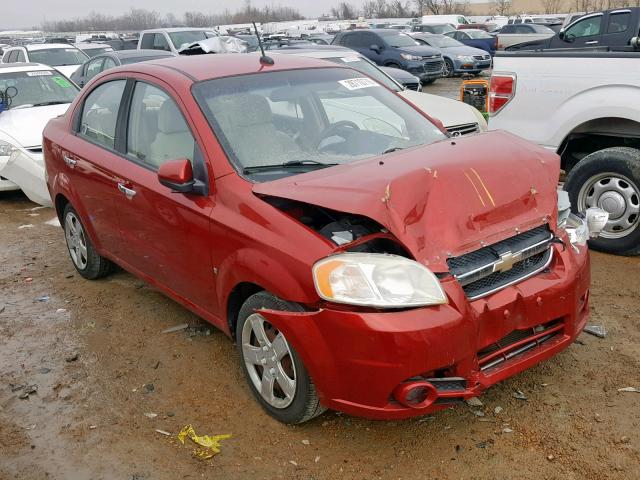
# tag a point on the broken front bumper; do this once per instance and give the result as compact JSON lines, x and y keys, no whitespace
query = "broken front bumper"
{"x":26,"y":171}
{"x":365,"y":363}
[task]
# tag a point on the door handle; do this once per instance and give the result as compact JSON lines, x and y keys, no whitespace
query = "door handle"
{"x":592,"y":42}
{"x":129,"y":193}
{"x":71,"y":162}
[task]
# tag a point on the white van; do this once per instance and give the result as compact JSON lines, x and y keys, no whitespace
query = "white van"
{"x":454,"y":20}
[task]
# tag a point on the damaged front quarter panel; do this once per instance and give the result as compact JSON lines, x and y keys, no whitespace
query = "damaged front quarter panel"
{"x":27,"y":171}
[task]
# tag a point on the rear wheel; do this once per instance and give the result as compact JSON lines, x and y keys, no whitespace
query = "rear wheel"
{"x":83,"y":255}
{"x":273,"y":369}
{"x":610,"y":179}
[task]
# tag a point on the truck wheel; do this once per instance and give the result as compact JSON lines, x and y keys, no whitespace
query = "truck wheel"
{"x":273,"y":369}
{"x":610,"y":179}
{"x":83,"y":255}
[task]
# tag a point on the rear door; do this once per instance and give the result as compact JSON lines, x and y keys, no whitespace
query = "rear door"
{"x":91,"y":160}
{"x":620,"y":27}
{"x":165,"y":234}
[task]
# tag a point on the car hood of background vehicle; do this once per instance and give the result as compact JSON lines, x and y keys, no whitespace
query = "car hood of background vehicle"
{"x":67,"y":70}
{"x":450,"y":112}
{"x":25,"y":125}
{"x":443,"y":199}
{"x":463,"y":50}
{"x":421,"y":51}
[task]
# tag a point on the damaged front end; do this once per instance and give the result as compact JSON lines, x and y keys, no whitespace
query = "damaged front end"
{"x":25,"y":169}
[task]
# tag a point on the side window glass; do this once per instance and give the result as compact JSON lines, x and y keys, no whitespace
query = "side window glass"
{"x":108,"y":63}
{"x":160,"y":43}
{"x":618,"y":22}
{"x":157,"y":131}
{"x":347,"y":41}
{"x":21,"y":58}
{"x":147,"y":41}
{"x":9,"y":57}
{"x":93,"y":68}
{"x":585,"y":28}
{"x":100,"y":113}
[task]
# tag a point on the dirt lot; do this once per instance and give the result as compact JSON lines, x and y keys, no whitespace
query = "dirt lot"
{"x":100,"y":362}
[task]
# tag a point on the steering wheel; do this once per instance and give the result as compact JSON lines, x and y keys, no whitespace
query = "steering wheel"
{"x":334,"y":129}
{"x":8,"y":95}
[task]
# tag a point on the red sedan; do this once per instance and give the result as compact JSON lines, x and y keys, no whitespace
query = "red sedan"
{"x":361,"y":259}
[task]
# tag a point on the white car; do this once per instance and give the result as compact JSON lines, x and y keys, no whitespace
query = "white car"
{"x":457,"y":117}
{"x":172,"y":39}
{"x":30,"y":95}
{"x":93,"y":49}
{"x":64,"y":57}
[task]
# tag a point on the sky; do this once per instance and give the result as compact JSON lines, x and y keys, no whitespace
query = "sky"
{"x":29,"y":13}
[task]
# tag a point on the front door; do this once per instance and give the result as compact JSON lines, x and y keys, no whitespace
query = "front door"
{"x":167,"y":233}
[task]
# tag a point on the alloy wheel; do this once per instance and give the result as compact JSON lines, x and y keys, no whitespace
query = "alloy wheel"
{"x":267,"y":357}
{"x":617,"y":195}
{"x":76,"y":240}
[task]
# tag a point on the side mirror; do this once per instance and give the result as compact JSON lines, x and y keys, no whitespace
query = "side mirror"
{"x":376,"y":48}
{"x":177,"y":175}
{"x":635,"y":42}
{"x":561,"y":34}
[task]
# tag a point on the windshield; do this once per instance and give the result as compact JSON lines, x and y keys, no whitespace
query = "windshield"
{"x":188,"y":37}
{"x":399,"y":40}
{"x":284,"y":123}
{"x":58,"y":57}
{"x":36,"y":88}
{"x":362,"y":65}
{"x":442,"y":41}
{"x":92,"y":52}
{"x":478,"y":34}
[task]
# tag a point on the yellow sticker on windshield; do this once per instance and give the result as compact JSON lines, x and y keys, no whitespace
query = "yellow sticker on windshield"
{"x":358,"y":83}
{"x":63,"y":82}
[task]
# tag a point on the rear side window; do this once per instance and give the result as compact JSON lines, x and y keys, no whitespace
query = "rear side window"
{"x":93,"y":68}
{"x":147,"y":41}
{"x":618,"y":22}
{"x":108,"y":63}
{"x":160,"y":43}
{"x":100,"y":113}
{"x":20,"y":56}
{"x":507,"y":29}
{"x":157,"y":132}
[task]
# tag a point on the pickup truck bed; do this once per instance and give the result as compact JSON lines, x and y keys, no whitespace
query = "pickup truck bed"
{"x":585,"y":105}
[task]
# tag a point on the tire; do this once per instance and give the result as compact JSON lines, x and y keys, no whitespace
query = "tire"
{"x":83,"y":255}
{"x":610,"y":179}
{"x":448,"y":70}
{"x":303,"y":403}
{"x":428,"y":82}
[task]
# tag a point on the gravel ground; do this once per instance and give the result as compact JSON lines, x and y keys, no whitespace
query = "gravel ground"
{"x":100,"y":361}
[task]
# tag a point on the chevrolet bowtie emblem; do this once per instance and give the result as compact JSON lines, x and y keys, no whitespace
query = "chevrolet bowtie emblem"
{"x":506,"y":262}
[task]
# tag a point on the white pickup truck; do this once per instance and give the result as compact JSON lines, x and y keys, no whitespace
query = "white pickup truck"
{"x":585,"y":105}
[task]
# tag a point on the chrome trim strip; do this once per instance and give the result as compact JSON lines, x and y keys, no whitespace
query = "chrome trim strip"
{"x":524,"y":254}
{"x":522,"y":349}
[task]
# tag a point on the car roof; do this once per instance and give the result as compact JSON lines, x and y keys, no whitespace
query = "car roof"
{"x":330,"y":52}
{"x":46,"y":46}
{"x":23,"y":67}
{"x":208,"y":67}
{"x":177,"y":29}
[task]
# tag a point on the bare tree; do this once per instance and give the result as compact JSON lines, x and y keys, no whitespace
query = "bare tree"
{"x":447,"y":7}
{"x":421,"y":6}
{"x":552,"y":6}
{"x":503,"y":7}
{"x":344,"y":11}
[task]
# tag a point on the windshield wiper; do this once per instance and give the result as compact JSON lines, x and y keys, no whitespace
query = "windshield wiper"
{"x":286,"y":165}
{"x":392,"y":149}
{"x":53,"y":102}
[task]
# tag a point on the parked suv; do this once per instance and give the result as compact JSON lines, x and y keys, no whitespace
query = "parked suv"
{"x":172,"y":39}
{"x":391,"y":48}
{"x":361,"y":259}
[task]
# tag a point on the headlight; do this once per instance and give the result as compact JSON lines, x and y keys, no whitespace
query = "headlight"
{"x":376,"y":280}
{"x":6,"y":149}
{"x":464,"y":58}
{"x":580,"y":228}
{"x":408,"y":56}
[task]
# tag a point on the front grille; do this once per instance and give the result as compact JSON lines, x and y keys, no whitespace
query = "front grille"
{"x":412,"y":86}
{"x":517,"y":343}
{"x":481,"y":57}
{"x":432,"y":67}
{"x":497,"y":266}
{"x":466,"y":129}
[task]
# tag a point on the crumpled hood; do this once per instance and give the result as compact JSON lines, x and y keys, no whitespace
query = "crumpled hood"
{"x":25,"y":125}
{"x":440,"y":200}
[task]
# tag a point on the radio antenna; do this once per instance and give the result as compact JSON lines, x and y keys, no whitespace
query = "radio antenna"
{"x":264,"y":60}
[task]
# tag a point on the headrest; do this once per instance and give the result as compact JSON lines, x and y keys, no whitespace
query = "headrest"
{"x":170,"y":119}
{"x":242,"y":110}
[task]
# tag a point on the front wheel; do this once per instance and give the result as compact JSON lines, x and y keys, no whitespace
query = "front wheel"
{"x":610,"y":179}
{"x":448,"y":69}
{"x":274,"y":371}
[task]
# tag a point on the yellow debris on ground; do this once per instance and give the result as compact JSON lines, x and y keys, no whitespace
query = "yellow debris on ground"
{"x":210,"y":444}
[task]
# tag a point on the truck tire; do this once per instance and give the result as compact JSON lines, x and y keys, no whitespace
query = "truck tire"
{"x":610,"y":179}
{"x":288,"y":393}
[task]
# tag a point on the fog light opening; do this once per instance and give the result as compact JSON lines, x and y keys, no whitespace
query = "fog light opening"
{"x":415,"y":394}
